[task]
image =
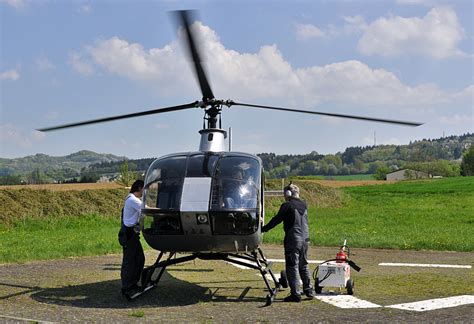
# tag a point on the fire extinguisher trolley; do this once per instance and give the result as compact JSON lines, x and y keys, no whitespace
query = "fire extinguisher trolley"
{"x":336,"y":272}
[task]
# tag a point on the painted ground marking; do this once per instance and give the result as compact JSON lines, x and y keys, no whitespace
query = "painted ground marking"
{"x":347,"y":301}
{"x":24,"y":319}
{"x":432,"y":304}
{"x":425,"y":265}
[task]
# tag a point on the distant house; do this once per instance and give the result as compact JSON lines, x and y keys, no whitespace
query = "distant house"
{"x":407,"y":174}
{"x":103,"y":179}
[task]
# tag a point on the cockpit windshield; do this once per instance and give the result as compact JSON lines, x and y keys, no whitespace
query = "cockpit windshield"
{"x":236,"y":183}
{"x":164,"y":183}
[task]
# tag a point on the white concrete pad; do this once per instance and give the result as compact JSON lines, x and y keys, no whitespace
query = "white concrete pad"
{"x":346,"y":301}
{"x":425,"y":265}
{"x":431,"y":304}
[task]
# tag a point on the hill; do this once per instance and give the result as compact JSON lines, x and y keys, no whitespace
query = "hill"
{"x":443,"y":153}
{"x":56,"y":168}
{"x":366,"y":160}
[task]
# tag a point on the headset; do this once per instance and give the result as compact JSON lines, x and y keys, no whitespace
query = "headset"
{"x":287,"y":191}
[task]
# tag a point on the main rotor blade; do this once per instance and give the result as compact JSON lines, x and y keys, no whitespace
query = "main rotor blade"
{"x":107,"y":119}
{"x":390,"y":121}
{"x":184,"y":17}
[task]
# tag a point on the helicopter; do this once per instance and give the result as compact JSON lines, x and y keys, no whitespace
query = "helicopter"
{"x":208,"y":204}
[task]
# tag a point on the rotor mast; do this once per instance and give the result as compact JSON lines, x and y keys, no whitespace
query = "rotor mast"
{"x":212,"y":135}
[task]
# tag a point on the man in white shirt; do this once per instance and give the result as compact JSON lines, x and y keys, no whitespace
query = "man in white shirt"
{"x":129,"y":237}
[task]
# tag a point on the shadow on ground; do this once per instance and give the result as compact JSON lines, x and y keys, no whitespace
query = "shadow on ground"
{"x":169,"y":292}
{"x":106,"y":294}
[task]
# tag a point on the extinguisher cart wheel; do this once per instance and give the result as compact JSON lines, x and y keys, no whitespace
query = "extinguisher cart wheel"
{"x":283,"y":281}
{"x":317,"y":288}
{"x":350,"y":287}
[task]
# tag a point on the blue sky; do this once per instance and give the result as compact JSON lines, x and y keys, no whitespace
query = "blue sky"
{"x":68,"y":61}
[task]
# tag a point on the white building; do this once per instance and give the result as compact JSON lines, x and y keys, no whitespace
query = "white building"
{"x":407,"y":174}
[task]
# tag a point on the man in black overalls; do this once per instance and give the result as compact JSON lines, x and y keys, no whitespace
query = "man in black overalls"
{"x":294,"y":215}
{"x":129,"y":237}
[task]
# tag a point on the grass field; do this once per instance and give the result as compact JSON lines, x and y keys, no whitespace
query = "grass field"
{"x":336,"y":177}
{"x":434,"y":215}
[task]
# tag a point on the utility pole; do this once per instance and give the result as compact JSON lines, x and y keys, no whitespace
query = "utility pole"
{"x":375,"y":139}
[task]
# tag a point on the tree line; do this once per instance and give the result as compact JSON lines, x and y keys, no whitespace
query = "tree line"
{"x":447,"y":157}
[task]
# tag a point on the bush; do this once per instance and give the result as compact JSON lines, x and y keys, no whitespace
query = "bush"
{"x":467,"y":164}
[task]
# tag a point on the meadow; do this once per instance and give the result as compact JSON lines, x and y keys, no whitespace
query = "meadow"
{"x":431,"y":214}
{"x":416,"y":215}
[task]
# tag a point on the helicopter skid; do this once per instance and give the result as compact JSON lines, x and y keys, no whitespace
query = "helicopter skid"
{"x":254,"y":260}
{"x":140,"y":292}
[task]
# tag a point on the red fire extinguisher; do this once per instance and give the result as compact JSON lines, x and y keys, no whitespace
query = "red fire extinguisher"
{"x":341,"y":256}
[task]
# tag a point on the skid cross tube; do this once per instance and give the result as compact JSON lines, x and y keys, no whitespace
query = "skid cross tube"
{"x":254,"y":260}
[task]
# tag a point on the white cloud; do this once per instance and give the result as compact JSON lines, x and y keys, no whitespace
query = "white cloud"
{"x":12,"y":134}
{"x":85,"y":8}
{"x":355,"y":82}
{"x":44,"y":64}
{"x":465,"y":94}
{"x":264,"y":74}
{"x":80,"y":65}
{"x":457,"y":119}
{"x":132,"y":60}
{"x":435,"y":35}
{"x":354,"y":24}
{"x":308,"y":31}
{"x":12,"y":75}
{"x":17,"y":4}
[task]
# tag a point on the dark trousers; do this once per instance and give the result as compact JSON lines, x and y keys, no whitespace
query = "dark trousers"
{"x":133,"y":260}
{"x":296,"y":262}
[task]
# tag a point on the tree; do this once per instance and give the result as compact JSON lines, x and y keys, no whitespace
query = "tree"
{"x":89,"y":177}
{"x":467,"y":163}
{"x":381,"y":173}
{"x":36,"y":177}
{"x":126,"y":176}
{"x":11,"y":179}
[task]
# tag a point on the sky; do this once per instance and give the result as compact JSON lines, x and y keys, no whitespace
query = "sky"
{"x":68,"y":61}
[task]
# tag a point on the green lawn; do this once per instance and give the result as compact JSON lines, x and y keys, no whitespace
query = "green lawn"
{"x":335,"y":177}
{"x":435,"y":215}
{"x":36,"y":239}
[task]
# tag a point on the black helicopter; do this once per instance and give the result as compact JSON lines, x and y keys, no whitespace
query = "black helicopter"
{"x":208,"y":204}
